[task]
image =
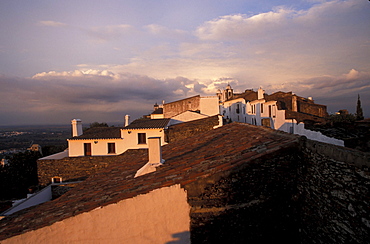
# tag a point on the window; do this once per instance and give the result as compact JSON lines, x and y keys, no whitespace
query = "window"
{"x":87,"y":149}
{"x":141,"y":138}
{"x":261,"y":108}
{"x":111,"y":147}
{"x":237,"y":108}
{"x":56,"y":179}
{"x":270,"y":112}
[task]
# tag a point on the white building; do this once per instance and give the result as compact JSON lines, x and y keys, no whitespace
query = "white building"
{"x":108,"y":141}
{"x":280,"y":111}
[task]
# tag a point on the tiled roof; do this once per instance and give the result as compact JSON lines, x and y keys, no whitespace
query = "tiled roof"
{"x":100,"y":133}
{"x":248,"y":95}
{"x":147,"y":124}
{"x":187,"y":161}
{"x":158,"y":111}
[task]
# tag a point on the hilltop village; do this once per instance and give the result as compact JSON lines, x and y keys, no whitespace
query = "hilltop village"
{"x":235,"y":167}
{"x":280,"y":111}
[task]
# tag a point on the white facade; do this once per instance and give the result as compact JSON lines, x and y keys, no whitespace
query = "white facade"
{"x":155,"y":217}
{"x":209,"y":105}
{"x":266,"y":113}
{"x":99,"y":147}
{"x":131,"y":137}
{"x":235,"y":110}
{"x":110,"y":147}
{"x":186,"y":117}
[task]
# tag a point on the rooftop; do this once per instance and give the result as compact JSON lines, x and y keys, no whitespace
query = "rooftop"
{"x":147,"y":124}
{"x":158,"y":111}
{"x":100,"y":133}
{"x":187,"y":162}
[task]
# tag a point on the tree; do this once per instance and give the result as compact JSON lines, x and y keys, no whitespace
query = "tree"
{"x":97,"y":124}
{"x":359,"y":113}
{"x":19,"y":175}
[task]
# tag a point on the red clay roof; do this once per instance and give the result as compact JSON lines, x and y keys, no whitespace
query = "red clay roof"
{"x":187,"y":161}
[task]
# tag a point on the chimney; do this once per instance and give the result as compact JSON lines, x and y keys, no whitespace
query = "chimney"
{"x":294,"y":103}
{"x":260,"y":93}
{"x":76,"y":127}
{"x":155,"y":151}
{"x":127,"y":120}
{"x":155,"y":157}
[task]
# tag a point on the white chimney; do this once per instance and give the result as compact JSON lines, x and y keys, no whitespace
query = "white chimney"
{"x":76,"y":127}
{"x":127,"y":120}
{"x":155,"y":151}
{"x":260,"y":93}
{"x":155,"y":157}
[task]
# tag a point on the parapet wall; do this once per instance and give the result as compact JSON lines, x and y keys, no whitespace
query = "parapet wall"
{"x":334,"y":194}
{"x":76,"y":168}
{"x":175,"y":108}
{"x":309,"y":193}
{"x":69,"y":168}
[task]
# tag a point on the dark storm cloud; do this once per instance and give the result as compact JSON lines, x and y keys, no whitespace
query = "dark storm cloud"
{"x":53,"y":94}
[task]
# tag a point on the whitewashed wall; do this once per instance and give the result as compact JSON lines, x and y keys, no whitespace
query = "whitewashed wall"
{"x":185,"y":117}
{"x":130,"y":137}
{"x":99,"y":147}
{"x":160,"y":216}
{"x":209,"y":105}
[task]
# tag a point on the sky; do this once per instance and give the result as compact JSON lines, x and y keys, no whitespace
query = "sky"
{"x":100,"y":60}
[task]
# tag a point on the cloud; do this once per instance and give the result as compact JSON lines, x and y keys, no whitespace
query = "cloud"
{"x":89,"y":92}
{"x":51,"y":23}
{"x":109,"y":32}
{"x":165,"y":32}
{"x":102,"y":95}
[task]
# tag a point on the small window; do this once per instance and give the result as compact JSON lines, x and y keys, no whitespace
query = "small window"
{"x":56,"y":179}
{"x":87,"y":149}
{"x":141,"y":138}
{"x":111,"y":147}
{"x":261,"y":108}
{"x":270,"y":110}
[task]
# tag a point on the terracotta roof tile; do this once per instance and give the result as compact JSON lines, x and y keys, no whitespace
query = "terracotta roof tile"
{"x":187,"y":161}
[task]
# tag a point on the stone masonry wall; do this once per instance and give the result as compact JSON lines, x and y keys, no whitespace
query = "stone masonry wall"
{"x":175,"y":108}
{"x":312,"y":193}
{"x":69,"y":168}
{"x":252,"y":204}
{"x":74,"y":168}
{"x":183,"y":130}
{"x":334,"y":190}
{"x":312,"y":108}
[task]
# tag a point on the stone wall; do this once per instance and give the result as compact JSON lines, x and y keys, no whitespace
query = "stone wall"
{"x":312,"y":108}
{"x":175,"y":108}
{"x":334,"y":194}
{"x":312,"y":193}
{"x":181,"y":131}
{"x":251,"y":204}
{"x":75,"y":168}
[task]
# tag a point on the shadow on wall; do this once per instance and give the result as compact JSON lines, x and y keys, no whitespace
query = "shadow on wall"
{"x":181,"y":238}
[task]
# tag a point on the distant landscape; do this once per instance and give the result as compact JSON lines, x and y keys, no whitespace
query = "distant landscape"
{"x":18,"y":138}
